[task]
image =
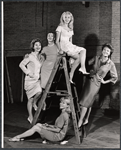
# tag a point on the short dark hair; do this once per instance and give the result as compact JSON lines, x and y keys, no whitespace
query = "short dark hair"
{"x":109,"y":46}
{"x":33,"y":42}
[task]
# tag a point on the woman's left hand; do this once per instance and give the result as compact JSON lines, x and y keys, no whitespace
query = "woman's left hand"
{"x":102,"y":81}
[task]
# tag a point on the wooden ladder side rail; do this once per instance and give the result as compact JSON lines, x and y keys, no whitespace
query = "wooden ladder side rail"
{"x":8,"y":80}
{"x":41,"y":102}
{"x":71,"y":103}
{"x":77,"y":100}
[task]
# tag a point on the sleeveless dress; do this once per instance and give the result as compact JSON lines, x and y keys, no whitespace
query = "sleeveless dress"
{"x":65,"y":44}
{"x":32,"y":84}
{"x":92,"y":85}
{"x":47,"y":67}
{"x":62,"y":123}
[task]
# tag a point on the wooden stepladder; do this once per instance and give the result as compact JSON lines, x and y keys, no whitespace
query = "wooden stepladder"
{"x":61,"y":62}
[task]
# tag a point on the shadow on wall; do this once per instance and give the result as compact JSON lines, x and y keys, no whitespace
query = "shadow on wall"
{"x":91,"y":43}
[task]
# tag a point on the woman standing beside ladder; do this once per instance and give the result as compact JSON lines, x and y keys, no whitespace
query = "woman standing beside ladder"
{"x":31,"y":66}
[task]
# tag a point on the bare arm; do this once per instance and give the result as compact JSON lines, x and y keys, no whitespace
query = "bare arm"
{"x":51,"y":128}
{"x":114,"y":76}
{"x":58,"y":34}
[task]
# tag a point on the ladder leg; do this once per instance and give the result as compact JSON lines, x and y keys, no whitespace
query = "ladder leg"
{"x":72,"y":104}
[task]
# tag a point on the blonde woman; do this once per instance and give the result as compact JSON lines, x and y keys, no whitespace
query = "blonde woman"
{"x":55,"y":132}
{"x":64,"y":33}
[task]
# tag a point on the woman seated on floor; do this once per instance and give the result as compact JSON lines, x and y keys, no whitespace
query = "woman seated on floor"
{"x":53,"y":133}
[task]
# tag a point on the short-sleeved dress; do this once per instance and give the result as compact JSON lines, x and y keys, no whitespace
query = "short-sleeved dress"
{"x":31,"y":64}
{"x":62,"y":123}
{"x":92,"y":85}
{"x":51,"y":56}
{"x":65,"y":43}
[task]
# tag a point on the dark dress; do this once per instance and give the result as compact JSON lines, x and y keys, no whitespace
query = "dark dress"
{"x":92,"y":84}
{"x":62,"y":123}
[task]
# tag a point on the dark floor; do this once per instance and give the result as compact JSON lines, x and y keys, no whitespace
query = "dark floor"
{"x":103,"y":130}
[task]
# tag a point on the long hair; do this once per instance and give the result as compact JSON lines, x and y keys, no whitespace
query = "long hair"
{"x":70,"y":25}
{"x":110,"y":47}
{"x":33,"y":42}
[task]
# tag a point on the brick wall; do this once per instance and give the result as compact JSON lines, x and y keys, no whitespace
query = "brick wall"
{"x":115,"y":38}
{"x":93,"y":26}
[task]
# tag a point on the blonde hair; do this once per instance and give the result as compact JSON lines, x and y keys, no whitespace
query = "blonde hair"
{"x":70,"y":25}
{"x":67,"y":100}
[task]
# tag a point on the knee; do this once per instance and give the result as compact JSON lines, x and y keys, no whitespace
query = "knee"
{"x":36,"y":128}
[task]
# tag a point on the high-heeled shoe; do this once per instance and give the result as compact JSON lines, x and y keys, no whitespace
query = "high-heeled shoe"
{"x":15,"y":139}
{"x":84,"y":72}
{"x":72,"y":82}
{"x":30,"y":121}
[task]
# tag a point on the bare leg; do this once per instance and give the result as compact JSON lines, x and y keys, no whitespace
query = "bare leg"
{"x":29,"y":107}
{"x":82,"y":56}
{"x":74,"y":66}
{"x":87,"y":116}
{"x":82,"y":115}
{"x":35,"y":128}
{"x":35,"y":99}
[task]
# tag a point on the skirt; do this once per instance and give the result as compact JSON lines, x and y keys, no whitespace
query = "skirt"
{"x":90,"y":89}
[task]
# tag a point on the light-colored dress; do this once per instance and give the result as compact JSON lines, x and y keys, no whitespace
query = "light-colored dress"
{"x":31,"y":64}
{"x":65,"y":43}
{"x":62,"y":123}
{"x":47,"y":67}
{"x":92,"y":84}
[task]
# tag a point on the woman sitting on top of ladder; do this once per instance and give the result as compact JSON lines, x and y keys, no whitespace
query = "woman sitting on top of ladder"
{"x":64,"y":43}
{"x":53,"y":133}
{"x":31,"y":65}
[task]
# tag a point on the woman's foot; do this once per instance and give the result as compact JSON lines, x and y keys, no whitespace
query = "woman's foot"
{"x":30,"y":120}
{"x":15,"y":139}
{"x":85,"y":122}
{"x":72,"y":81}
{"x":83,"y":71}
{"x":35,"y":107}
{"x":44,"y":106}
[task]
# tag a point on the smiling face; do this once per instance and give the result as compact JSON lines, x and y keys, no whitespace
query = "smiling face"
{"x":50,"y":37}
{"x":64,"y":103}
{"x":66,"y":18}
{"x":37,"y":46}
{"x":106,"y":52}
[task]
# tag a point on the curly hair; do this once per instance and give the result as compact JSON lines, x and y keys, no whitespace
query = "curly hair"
{"x":110,"y":47}
{"x":33,"y":42}
{"x":71,"y":21}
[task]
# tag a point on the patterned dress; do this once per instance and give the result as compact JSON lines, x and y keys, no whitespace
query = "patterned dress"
{"x":65,"y":43}
{"x":61,"y":123}
{"x":32,"y":84}
{"x":93,"y":84}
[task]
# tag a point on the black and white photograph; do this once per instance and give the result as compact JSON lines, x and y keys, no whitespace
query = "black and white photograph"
{"x":60,"y":74}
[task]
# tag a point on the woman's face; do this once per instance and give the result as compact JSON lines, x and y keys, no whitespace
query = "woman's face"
{"x":66,"y":18}
{"x":106,"y":51}
{"x":37,"y":46}
{"x":63,"y":104}
{"x":50,"y":37}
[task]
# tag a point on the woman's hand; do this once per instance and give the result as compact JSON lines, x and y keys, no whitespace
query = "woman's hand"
{"x":60,"y":52}
{"x":102,"y":81}
{"x":105,"y":82}
{"x":31,"y":75}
